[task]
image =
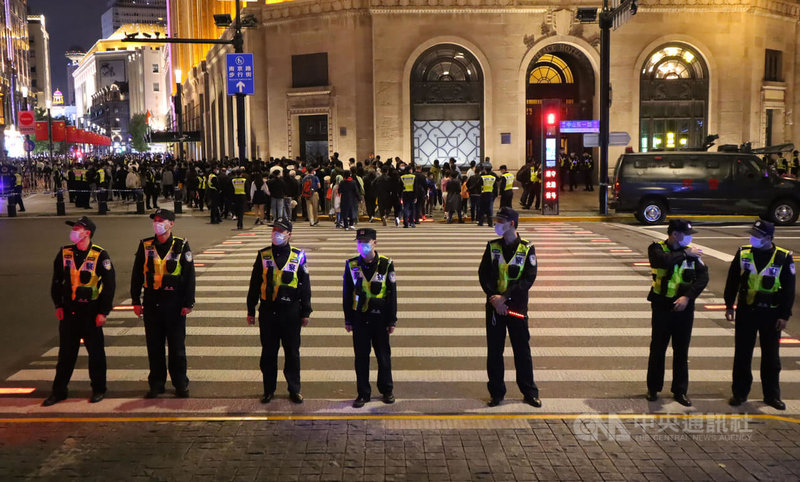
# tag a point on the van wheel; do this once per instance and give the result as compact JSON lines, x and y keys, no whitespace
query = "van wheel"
{"x":784,"y":212}
{"x":652,"y":211}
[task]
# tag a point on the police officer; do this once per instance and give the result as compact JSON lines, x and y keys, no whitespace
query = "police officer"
{"x":679,"y":276}
{"x":507,"y":272}
{"x":280,"y":285}
{"x":782,"y":165}
{"x":409,"y":198}
{"x":165,"y":269}
{"x":488,"y":192}
{"x":369,"y":300}
{"x":83,"y":293}
{"x":214,"y":196}
{"x":796,"y":163}
{"x":18,"y":189}
{"x":506,"y":187}
{"x":240,"y":197}
{"x":763,"y":277}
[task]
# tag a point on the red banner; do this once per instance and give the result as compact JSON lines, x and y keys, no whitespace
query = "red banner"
{"x":59,"y":131}
{"x":80,"y":136}
{"x":71,"y":137}
{"x":41,"y":131}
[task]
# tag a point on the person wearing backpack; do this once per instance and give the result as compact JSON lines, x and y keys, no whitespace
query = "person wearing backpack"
{"x":310,"y":194}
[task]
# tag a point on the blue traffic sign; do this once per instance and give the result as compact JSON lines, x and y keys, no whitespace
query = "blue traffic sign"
{"x":580,"y":126}
{"x":240,"y":74}
{"x":29,"y":145}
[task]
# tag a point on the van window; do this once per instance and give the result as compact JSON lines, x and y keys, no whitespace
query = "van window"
{"x":676,"y":164}
{"x":712,"y":164}
{"x":641,"y":164}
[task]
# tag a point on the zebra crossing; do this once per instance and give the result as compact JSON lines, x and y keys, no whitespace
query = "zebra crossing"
{"x":590,"y":321}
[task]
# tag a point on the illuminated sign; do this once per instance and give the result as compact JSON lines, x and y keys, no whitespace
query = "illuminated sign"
{"x":580,"y":127}
{"x":551,"y":135}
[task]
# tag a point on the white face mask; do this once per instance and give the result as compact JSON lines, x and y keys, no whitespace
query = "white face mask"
{"x":759,"y":243}
{"x":160,"y":228}
{"x":76,"y":236}
{"x":686,"y":241}
{"x":500,"y":228}
{"x":279,"y":239}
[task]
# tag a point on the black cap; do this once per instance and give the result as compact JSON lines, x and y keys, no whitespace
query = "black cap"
{"x":283,"y":223}
{"x":85,"y":222}
{"x":762,"y":229}
{"x":507,"y":214}
{"x":163,"y":214}
{"x":367,"y":234}
{"x":680,"y":225}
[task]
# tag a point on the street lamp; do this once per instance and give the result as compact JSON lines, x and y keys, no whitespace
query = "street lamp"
{"x":179,"y":110}
{"x":50,"y":128}
{"x":25,"y":97}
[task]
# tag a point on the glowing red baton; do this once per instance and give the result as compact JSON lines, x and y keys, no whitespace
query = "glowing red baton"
{"x":515,"y":314}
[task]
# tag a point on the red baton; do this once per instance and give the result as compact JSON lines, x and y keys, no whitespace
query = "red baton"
{"x":515,"y":314}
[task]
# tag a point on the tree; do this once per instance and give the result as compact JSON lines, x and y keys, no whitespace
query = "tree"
{"x":138,"y":130}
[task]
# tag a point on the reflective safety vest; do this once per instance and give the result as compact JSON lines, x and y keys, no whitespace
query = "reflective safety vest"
{"x":80,"y":174}
{"x":508,"y":271}
{"x":408,"y":182}
{"x":488,"y":183}
{"x":211,"y":177}
{"x":535,"y":175}
{"x":238,"y":185}
{"x":101,"y":176}
{"x":668,"y":282}
{"x":509,"y":181}
{"x":275,"y":279}
{"x":783,"y":164}
{"x":369,"y":298}
{"x":760,"y":289}
{"x":84,"y":282}
{"x":18,"y":179}
{"x":162,"y":274}
{"x":201,"y":182}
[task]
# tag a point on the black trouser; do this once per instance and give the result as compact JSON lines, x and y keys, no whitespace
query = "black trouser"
{"x":213,"y":207}
{"x":409,"y":208}
{"x":79,"y":324}
{"x":163,"y":324}
{"x":384,"y":206}
{"x":366,"y":336}
{"x":83,"y":196}
{"x":533,"y":191}
{"x":369,"y":203}
{"x":506,"y":198}
{"x":573,"y":180}
{"x":485,"y":208}
{"x":18,"y":197}
{"x":496,"y":327}
{"x":151,"y":192}
{"x":666,"y":325}
{"x":587,"y":180}
{"x":749,"y":323}
{"x":474,"y":200}
{"x":277,"y":329}
{"x":241,"y":204}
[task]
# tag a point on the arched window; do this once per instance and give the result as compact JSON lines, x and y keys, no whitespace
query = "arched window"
{"x":673,"y":110}
{"x":446,"y":106}
{"x":550,"y":69}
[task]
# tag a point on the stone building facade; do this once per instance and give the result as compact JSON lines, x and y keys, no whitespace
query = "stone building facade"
{"x":425,"y":79}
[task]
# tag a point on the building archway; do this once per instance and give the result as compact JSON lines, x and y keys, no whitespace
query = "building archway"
{"x":446,"y":97}
{"x":673,"y":98}
{"x":558,"y":71}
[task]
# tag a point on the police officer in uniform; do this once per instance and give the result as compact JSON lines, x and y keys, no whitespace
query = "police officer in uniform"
{"x":214,"y":194}
{"x":409,"y":198}
{"x":679,"y":276}
{"x":83,"y":293}
{"x":488,"y":193}
{"x":240,"y":197}
{"x":18,"y":189}
{"x":165,"y":269}
{"x":280,"y":286}
{"x":369,"y":300}
{"x":763,"y":277}
{"x":506,"y":187}
{"x":796,"y":163}
{"x":507,"y":272}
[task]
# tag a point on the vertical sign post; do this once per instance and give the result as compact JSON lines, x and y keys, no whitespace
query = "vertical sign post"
{"x":551,"y":136}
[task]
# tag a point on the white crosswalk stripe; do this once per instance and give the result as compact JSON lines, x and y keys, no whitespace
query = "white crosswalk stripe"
{"x":590,"y":320}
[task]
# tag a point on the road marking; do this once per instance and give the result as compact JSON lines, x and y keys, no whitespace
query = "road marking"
{"x":639,"y":277}
{"x":463,"y":291}
{"x":706,"y":250}
{"x":403,"y":302}
{"x":401,"y":269}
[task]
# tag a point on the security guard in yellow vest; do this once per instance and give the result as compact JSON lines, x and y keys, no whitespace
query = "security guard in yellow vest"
{"x":782,"y":165}
{"x":762,"y":276}
{"x":679,"y":276}
{"x":506,"y":187}
{"x":202,"y":182}
{"x":83,"y":293}
{"x":488,"y":193}
{"x":214,"y":195}
{"x":239,"y":182}
{"x":369,"y":300}
{"x":506,"y":273}
{"x":280,"y":286}
{"x":18,"y":189}
{"x":165,"y":269}
{"x":409,"y":198}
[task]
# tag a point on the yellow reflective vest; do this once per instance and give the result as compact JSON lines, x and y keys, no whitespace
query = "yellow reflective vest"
{"x":274,"y":277}
{"x":759,"y":289}
{"x":369,"y":293}
{"x":84,"y":282}
{"x":162,"y":273}
{"x":668,"y":282}
{"x":509,"y":270}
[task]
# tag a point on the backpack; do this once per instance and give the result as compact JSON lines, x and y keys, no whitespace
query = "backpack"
{"x":307,"y":188}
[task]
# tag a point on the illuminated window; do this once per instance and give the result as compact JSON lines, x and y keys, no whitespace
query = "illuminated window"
{"x":550,"y":69}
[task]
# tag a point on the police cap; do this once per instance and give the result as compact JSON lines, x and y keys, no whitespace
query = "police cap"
{"x":85,"y":222}
{"x":366,"y":234}
{"x":163,"y":214}
{"x":762,"y":229}
{"x":283,"y":223}
{"x":680,"y":225}
{"x":507,"y":214}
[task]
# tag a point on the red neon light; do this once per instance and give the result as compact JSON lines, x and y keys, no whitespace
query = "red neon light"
{"x":551,"y":118}
{"x":16,"y":391}
{"x":550,"y":173}
{"x":790,"y":341}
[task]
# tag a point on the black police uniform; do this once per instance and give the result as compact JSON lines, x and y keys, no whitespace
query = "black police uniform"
{"x":759,"y":318}
{"x":80,"y":313}
{"x":280,"y":319}
{"x":370,"y":326}
{"x":497,"y":325}
{"x":668,"y":324}
{"x":162,"y":307}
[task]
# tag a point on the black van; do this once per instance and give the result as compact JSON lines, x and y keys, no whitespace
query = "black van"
{"x":654,"y":184}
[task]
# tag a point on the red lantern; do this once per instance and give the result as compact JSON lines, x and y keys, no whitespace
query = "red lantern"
{"x":59,"y":131}
{"x":41,"y":131}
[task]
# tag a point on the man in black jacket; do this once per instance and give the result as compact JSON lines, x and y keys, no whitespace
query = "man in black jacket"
{"x":679,"y":276}
{"x":369,"y":300}
{"x":349,"y":191}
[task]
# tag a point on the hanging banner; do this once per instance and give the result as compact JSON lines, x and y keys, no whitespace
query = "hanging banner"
{"x":59,"y":131}
{"x":71,"y":134}
{"x":41,"y":131}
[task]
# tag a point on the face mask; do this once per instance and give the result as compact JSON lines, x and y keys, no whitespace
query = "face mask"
{"x":759,"y":243}
{"x":365,"y":249}
{"x":687,"y":239}
{"x":278,"y":239}
{"x":160,"y":228}
{"x":76,"y":236}
{"x":500,"y":228}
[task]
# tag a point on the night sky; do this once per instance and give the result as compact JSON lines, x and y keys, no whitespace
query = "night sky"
{"x":69,"y":23}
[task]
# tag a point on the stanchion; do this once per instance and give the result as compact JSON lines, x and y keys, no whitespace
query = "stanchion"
{"x":61,"y":210}
{"x":11,"y":206}
{"x":178,"y":194}
{"x":102,"y":202}
{"x":139,"y":201}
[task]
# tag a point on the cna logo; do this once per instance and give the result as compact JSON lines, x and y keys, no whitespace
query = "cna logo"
{"x":588,"y":427}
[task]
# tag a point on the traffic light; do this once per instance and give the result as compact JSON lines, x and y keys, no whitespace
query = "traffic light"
{"x":550,"y":118}
{"x":551,"y":134}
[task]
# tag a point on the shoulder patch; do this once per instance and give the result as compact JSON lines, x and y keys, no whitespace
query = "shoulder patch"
{"x":393,"y":277}
{"x":188,"y":256}
{"x":107,"y":265}
{"x":305,"y":268}
{"x":532,"y":259}
{"x":791,"y":268}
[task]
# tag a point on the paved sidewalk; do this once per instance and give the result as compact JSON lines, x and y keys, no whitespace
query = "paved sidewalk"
{"x":405,"y":449}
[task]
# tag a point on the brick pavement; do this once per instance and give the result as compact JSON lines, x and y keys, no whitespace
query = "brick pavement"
{"x":397,"y":449}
